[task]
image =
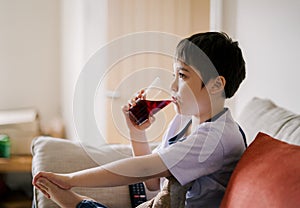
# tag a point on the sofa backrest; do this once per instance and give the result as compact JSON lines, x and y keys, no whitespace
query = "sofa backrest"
{"x":265,"y":116}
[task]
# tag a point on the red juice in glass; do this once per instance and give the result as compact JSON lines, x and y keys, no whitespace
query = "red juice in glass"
{"x":144,"y":108}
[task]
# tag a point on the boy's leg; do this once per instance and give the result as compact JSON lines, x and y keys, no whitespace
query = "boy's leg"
{"x":64,"y":198}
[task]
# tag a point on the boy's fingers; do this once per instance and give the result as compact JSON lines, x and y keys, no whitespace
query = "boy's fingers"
{"x":151,"y":119}
{"x":125,"y":108}
{"x":133,"y":101}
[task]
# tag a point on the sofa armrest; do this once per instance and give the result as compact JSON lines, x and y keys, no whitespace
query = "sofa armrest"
{"x":64,"y":156}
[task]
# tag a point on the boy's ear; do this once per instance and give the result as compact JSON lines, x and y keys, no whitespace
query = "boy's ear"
{"x":217,"y":85}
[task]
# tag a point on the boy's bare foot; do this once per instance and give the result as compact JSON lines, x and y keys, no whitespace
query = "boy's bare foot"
{"x":64,"y":198}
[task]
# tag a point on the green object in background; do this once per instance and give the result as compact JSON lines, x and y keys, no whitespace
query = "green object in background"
{"x":4,"y":146}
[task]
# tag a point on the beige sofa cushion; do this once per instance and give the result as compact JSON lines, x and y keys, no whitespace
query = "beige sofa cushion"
{"x":262,"y":115}
{"x":64,"y":156}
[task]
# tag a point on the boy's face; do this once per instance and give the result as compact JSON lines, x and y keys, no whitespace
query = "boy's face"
{"x":189,"y":94}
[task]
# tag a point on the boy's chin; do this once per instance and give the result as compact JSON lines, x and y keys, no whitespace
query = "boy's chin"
{"x":177,"y":109}
{"x":183,"y":112}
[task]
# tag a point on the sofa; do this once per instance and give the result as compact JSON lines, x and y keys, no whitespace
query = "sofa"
{"x":268,"y":174}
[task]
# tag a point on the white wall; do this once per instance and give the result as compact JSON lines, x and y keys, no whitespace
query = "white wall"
{"x":32,"y":33}
{"x":268,"y":32}
{"x":83,"y":32}
{"x":30,"y":56}
{"x":72,"y":57}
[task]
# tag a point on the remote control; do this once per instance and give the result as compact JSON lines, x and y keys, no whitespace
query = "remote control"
{"x":137,"y":194}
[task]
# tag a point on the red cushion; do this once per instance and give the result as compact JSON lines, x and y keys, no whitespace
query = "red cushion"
{"x":268,"y":175}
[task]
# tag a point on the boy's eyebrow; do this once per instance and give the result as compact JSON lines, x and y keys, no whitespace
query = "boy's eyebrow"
{"x":180,"y":67}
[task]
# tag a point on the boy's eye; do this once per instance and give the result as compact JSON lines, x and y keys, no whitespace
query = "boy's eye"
{"x":181,"y":75}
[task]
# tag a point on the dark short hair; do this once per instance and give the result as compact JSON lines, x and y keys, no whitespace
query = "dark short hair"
{"x":223,"y":57}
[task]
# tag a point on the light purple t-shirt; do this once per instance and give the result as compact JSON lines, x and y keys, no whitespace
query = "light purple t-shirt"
{"x":207,"y":157}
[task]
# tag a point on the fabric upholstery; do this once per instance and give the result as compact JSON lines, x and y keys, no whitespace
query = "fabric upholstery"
{"x":64,"y":156}
{"x":268,"y":175}
{"x":263,"y":115}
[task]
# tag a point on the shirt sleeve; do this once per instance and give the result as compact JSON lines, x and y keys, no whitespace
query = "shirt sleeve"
{"x":199,"y":154}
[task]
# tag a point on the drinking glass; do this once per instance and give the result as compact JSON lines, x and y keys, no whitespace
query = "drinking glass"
{"x":140,"y":112}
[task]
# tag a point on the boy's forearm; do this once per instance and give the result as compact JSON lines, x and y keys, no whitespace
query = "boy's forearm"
{"x":140,"y":147}
{"x":98,"y":177}
{"x":119,"y":173}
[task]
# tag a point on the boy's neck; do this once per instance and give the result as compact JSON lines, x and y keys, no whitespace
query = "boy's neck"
{"x":209,"y":114}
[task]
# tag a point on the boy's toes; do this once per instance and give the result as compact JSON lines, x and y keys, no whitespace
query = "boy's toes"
{"x":47,"y":187}
{"x":43,"y":185}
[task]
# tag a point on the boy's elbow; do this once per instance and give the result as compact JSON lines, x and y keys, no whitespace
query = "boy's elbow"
{"x":153,"y":188}
{"x":153,"y":184}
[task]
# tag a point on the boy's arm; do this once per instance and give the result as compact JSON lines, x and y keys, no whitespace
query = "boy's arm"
{"x":122,"y":172}
{"x":141,"y":147}
{"x":139,"y":143}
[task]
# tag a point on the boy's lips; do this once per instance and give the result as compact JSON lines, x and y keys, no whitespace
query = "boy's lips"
{"x":175,"y":100}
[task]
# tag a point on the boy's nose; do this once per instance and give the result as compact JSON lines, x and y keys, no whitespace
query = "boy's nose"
{"x":174,"y":85}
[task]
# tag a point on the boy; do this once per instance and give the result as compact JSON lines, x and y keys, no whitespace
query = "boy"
{"x":202,"y":144}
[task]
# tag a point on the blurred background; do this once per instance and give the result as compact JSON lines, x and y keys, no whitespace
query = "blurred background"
{"x":45,"y":44}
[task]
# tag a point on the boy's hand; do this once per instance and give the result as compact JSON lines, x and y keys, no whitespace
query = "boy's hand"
{"x":61,"y":180}
{"x":134,"y":128}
